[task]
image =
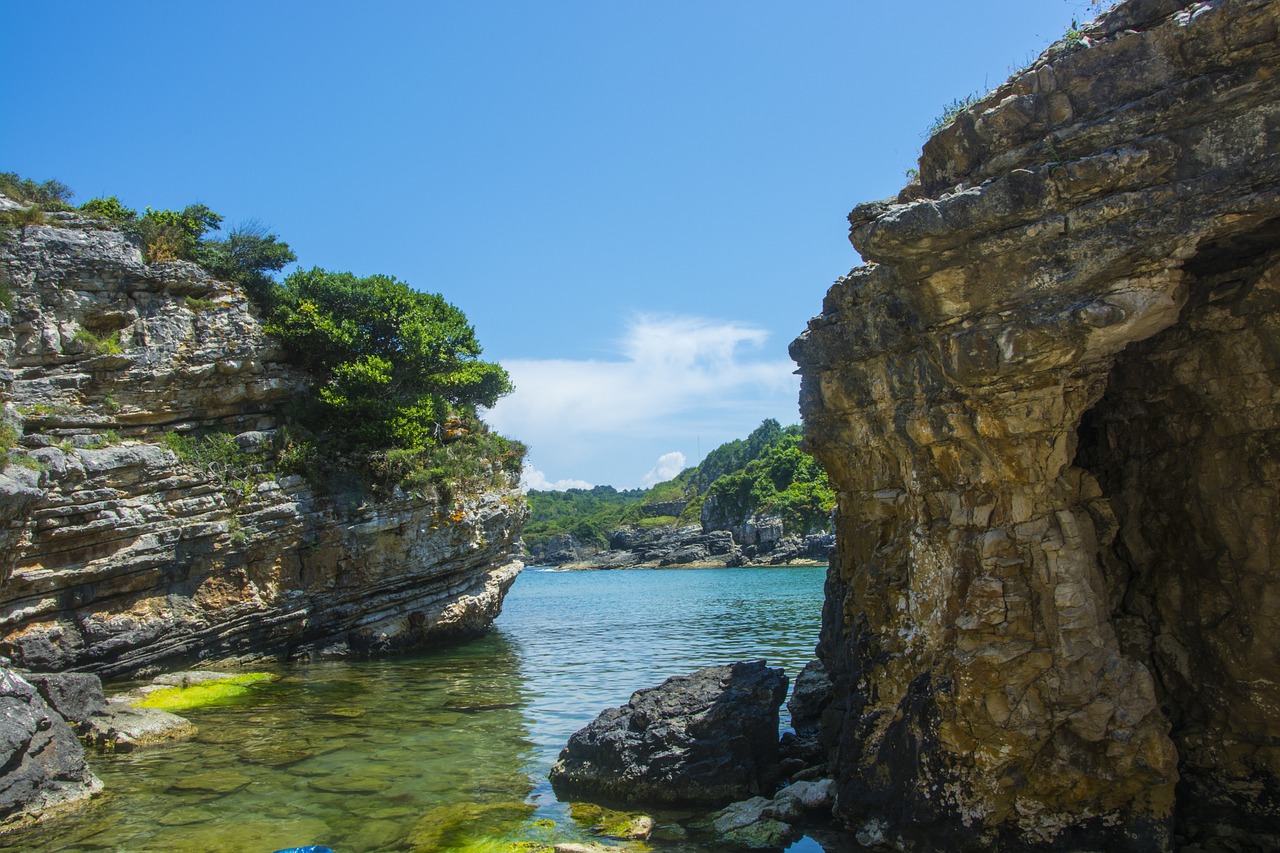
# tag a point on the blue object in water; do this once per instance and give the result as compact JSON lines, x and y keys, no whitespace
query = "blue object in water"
{"x":311,"y":848}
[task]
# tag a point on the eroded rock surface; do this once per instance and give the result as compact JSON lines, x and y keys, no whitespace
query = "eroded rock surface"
{"x":117,"y":558}
{"x":703,"y":739}
{"x":43,"y":764}
{"x":1050,"y":404}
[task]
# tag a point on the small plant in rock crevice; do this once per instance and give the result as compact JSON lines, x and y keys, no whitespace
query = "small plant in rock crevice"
{"x":952,"y":111}
{"x":108,"y":344}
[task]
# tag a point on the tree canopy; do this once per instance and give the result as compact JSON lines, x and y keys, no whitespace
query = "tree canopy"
{"x":394,"y":366}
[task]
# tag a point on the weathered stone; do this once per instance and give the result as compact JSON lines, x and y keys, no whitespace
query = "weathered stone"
{"x":122,"y":727}
{"x":76,"y":696}
{"x":1049,"y":406}
{"x":703,"y":739}
{"x":809,"y":698}
{"x":752,"y":823}
{"x":42,"y":765}
{"x":815,"y":795}
{"x":119,"y":559}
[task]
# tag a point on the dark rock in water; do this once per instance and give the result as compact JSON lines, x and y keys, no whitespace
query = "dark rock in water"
{"x":43,"y":763}
{"x":704,"y":739}
{"x":811,"y":696}
{"x":76,"y":696}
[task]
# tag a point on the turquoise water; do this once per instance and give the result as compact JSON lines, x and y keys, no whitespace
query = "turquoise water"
{"x":447,"y":750}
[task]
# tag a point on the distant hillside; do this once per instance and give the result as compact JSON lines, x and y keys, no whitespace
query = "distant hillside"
{"x":764,"y":474}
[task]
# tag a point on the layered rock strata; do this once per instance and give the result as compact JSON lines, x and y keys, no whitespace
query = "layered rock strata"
{"x":1050,"y":404}
{"x":118,"y":558}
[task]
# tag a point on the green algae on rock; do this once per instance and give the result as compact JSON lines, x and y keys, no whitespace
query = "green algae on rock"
{"x":182,"y":698}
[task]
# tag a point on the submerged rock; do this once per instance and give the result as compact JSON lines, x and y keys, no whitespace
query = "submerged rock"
{"x":701,"y":740}
{"x":42,"y":764}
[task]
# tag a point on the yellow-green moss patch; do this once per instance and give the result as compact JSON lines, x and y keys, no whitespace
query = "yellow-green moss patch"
{"x":205,"y":693}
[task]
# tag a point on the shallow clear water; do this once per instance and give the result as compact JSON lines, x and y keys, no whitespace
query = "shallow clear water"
{"x":440,"y":750}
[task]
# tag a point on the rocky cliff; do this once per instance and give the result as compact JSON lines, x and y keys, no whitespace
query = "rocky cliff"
{"x":1050,"y":404}
{"x":117,"y":557}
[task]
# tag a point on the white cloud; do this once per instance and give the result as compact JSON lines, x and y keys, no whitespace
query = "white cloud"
{"x":669,"y":464}
{"x":532,"y":478}
{"x":676,"y":380}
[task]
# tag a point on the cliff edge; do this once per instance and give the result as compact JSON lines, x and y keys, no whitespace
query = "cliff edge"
{"x":119,"y":556}
{"x":1050,"y":403}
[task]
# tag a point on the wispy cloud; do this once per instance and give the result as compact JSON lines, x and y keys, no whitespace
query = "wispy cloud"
{"x":674,"y":377}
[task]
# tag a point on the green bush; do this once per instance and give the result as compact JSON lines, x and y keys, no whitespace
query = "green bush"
{"x":246,"y":257}
{"x":22,"y":217}
{"x":108,"y":208}
{"x":108,"y":344}
{"x":49,"y":195}
{"x":217,"y":455}
{"x":782,"y":480}
{"x":394,"y":367}
{"x":172,"y":235}
{"x":8,"y":437}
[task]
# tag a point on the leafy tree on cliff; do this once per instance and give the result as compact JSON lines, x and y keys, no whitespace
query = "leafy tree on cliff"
{"x":395,"y":368}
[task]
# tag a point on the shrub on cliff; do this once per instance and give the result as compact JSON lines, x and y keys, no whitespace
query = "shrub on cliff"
{"x":109,"y":208}
{"x":173,"y":235}
{"x":398,"y":375}
{"x":46,"y":195}
{"x":247,"y":256}
{"x":782,"y":480}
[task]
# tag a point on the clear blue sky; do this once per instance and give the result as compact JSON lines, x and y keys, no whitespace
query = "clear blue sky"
{"x":637,"y":204}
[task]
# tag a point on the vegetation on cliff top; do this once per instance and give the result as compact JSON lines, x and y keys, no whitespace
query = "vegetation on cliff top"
{"x":767,"y":473}
{"x":397,"y":373}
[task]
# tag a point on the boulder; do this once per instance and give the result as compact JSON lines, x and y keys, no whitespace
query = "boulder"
{"x":704,"y":739}
{"x":76,"y":696}
{"x":43,"y":763}
{"x":809,"y":698}
{"x":123,"y":727}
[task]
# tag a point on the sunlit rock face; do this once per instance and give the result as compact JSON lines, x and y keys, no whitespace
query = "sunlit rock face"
{"x":116,"y":558}
{"x":1050,"y":403}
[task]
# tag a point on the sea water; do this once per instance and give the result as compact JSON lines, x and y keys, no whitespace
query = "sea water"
{"x":441,"y":751}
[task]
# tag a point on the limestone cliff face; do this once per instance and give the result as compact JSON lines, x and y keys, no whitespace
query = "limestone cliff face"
{"x":1050,"y":403}
{"x":117,"y":558}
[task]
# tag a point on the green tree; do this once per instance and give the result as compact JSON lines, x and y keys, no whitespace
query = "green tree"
{"x":394,"y":366}
{"x":247,"y":256}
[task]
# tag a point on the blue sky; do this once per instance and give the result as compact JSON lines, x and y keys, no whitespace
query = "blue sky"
{"x":637,"y":204}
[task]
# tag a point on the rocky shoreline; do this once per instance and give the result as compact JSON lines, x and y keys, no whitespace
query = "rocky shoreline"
{"x":762,"y":543}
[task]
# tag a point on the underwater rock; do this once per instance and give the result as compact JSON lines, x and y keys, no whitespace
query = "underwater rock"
{"x":704,"y":739}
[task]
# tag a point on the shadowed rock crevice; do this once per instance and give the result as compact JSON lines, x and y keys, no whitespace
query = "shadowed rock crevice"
{"x":1186,"y":449}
